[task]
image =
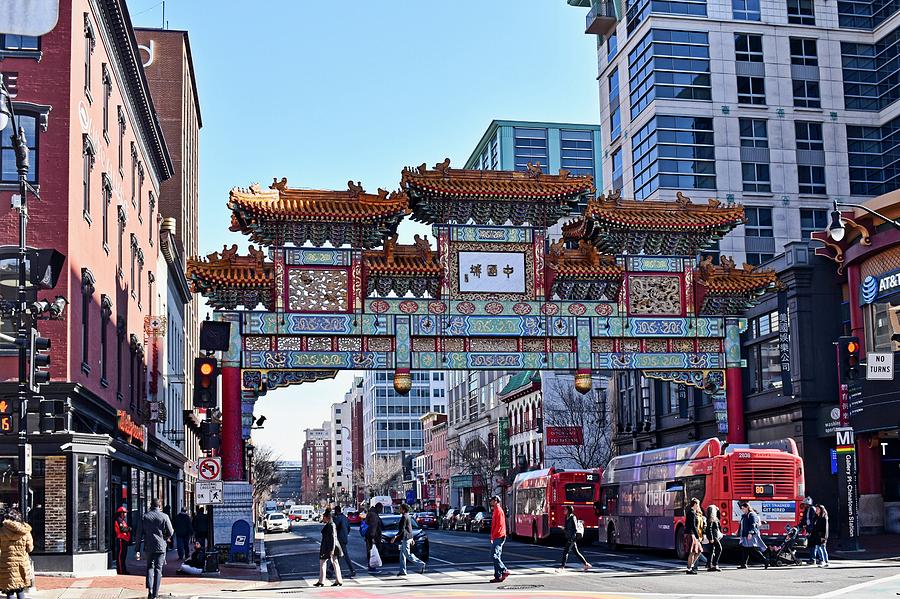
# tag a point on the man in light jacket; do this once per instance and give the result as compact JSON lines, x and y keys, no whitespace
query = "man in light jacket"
{"x":156,"y":530}
{"x":405,"y":536}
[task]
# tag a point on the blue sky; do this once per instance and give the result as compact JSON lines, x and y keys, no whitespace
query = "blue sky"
{"x":322,"y":92}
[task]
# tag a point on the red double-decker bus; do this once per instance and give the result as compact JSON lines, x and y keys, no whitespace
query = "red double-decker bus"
{"x":539,"y":499}
{"x":643,"y":495}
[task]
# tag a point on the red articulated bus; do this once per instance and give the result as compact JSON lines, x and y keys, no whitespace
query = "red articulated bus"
{"x":539,"y":499}
{"x":643,"y":495}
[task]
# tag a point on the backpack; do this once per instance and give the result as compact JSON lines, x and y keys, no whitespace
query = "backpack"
{"x":579,"y":529}
{"x":363,"y":529}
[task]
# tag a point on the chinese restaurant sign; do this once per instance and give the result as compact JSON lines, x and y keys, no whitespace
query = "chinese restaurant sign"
{"x":503,"y":435}
{"x":497,"y":272}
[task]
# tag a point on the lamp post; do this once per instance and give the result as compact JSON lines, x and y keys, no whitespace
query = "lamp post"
{"x":20,"y":148}
{"x":836,"y":228}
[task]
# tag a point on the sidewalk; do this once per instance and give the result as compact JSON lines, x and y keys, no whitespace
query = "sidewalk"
{"x":883,"y":546}
{"x":133,"y":585}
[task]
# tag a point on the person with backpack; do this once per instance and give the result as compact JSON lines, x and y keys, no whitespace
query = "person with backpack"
{"x":574,"y":530}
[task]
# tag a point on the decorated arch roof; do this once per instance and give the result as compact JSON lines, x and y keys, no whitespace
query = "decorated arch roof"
{"x":583,"y":273}
{"x":228,"y":280}
{"x":402,"y":268}
{"x":727,"y":289}
{"x":444,"y":195}
{"x":679,"y":228}
{"x":280,"y":215}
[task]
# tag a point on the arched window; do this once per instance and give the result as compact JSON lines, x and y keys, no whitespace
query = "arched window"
{"x":87,"y":294}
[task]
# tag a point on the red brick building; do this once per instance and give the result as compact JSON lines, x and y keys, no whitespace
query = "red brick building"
{"x":316,"y":461}
{"x":437,"y":457}
{"x":99,"y":158}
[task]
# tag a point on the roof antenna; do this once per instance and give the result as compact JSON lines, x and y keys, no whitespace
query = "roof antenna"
{"x":164,"y":14}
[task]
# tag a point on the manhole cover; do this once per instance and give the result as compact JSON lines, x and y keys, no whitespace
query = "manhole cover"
{"x":810,"y":581}
{"x":520,"y":587}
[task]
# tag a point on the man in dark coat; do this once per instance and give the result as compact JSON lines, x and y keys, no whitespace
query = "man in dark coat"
{"x":156,"y":530}
{"x":373,"y":533}
{"x":183,"y":532}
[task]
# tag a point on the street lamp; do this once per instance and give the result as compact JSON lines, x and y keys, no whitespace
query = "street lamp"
{"x":837,"y":226}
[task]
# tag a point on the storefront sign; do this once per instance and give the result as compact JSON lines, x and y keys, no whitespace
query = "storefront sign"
{"x":879,"y":367}
{"x":135,"y":433}
{"x":564,"y":435}
{"x":492,"y":272}
{"x":503,"y":436}
{"x":784,"y":344}
{"x":874,"y":287}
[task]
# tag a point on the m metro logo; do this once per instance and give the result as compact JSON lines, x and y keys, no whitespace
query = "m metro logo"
{"x":845,"y":440}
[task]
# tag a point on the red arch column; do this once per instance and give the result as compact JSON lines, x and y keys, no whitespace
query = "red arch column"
{"x":232,"y":444}
{"x":734,"y":384}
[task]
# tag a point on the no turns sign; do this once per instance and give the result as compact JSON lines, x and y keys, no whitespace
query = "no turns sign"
{"x":209,"y":469}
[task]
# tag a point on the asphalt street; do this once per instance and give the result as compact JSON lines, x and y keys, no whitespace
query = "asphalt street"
{"x":460,"y":566}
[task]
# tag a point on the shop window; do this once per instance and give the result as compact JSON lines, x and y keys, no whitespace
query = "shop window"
{"x":89,"y":501}
{"x":883,"y":325}
{"x":764,"y":366}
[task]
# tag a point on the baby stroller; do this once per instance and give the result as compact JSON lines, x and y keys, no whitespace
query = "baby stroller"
{"x":785,"y":554}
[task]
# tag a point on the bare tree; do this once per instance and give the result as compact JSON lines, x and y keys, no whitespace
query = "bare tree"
{"x":386,"y":472}
{"x":564,"y":406}
{"x":481,"y":462}
{"x":266,"y":477}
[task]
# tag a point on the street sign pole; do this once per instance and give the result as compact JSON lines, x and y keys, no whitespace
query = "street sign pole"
{"x":849,"y":392}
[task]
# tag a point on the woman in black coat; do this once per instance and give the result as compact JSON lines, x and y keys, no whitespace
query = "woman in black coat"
{"x":329,"y":551}
{"x":819,"y":536}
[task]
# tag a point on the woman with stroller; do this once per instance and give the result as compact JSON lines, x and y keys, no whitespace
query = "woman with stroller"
{"x":819,"y":536}
{"x":713,"y":535}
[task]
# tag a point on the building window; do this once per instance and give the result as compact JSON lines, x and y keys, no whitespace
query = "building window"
{"x":121,"y":118}
{"x":673,"y":152}
{"x":151,"y":203}
{"x":809,"y":135}
{"x":764,"y":366}
{"x":134,"y":169}
{"x":140,"y":286}
{"x":754,"y":133}
{"x":669,"y":64}
{"x":806,"y":94}
{"x":801,"y":12}
{"x":811,"y":179}
{"x":121,"y":221}
{"x":803,"y":52}
{"x":759,"y":225}
{"x":612,"y":46}
{"x":87,"y":294}
{"x":120,"y":342}
{"x":105,"y":314}
{"x":638,"y":11}
{"x":577,"y":151}
{"x":107,"y":92}
{"x":8,"y":172}
{"x":134,"y":253}
{"x":21,"y":43}
{"x":745,"y":10}
{"x":615,"y":116}
{"x":89,"y":41}
{"x":531,"y":147}
{"x":751,"y":90}
{"x":812,"y":220}
{"x":89,"y":504}
{"x":105,"y":205}
{"x":756,"y":177}
{"x":748,"y":48}
{"x":617,"y":169}
{"x":87,"y":165}
{"x":140,"y":189}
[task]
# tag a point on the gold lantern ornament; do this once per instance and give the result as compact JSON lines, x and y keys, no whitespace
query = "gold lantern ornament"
{"x":583,"y":381}
{"x":402,"y":381}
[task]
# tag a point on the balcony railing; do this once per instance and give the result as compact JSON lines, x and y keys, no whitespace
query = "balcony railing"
{"x":601,"y":19}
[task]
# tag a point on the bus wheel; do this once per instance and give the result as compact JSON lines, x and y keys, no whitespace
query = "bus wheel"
{"x":611,"y":543}
{"x":534,"y":536}
{"x":679,"y":543}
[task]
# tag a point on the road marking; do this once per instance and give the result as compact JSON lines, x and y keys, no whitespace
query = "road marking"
{"x":856,"y":587}
{"x":443,"y":561}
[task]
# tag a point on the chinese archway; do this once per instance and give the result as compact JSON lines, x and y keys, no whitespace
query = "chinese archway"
{"x":332,"y":289}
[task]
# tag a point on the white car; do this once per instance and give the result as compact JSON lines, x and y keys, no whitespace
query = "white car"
{"x":277,"y":522}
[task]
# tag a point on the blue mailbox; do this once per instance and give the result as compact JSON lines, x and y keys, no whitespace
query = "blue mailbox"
{"x":241,"y":542}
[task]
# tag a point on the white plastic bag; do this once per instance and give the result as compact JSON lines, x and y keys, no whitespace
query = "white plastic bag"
{"x":579,"y":529}
{"x":375,"y":558}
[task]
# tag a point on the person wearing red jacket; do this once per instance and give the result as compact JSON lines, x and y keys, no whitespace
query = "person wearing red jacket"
{"x":498,"y":537}
{"x":123,"y":538}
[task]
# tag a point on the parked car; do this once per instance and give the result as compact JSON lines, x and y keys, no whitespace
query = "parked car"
{"x":448,"y":521}
{"x":277,"y":522}
{"x":427,"y":519}
{"x":390,"y":551}
{"x":464,"y":520}
{"x":482,"y":522}
{"x":354,"y":517}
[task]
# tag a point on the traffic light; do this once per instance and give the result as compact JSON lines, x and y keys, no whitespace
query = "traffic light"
{"x":848,"y":358}
{"x":38,"y":362}
{"x":206,"y":379}
{"x":209,"y":435}
{"x":7,"y":418}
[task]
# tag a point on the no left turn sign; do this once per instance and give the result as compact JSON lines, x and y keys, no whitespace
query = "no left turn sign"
{"x":210,"y":469}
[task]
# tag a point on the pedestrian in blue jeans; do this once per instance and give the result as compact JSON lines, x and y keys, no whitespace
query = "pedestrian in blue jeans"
{"x":405,"y":536}
{"x":819,"y":537}
{"x":498,"y":537}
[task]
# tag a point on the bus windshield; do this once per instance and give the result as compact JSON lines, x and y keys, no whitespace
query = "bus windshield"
{"x":580,"y":492}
